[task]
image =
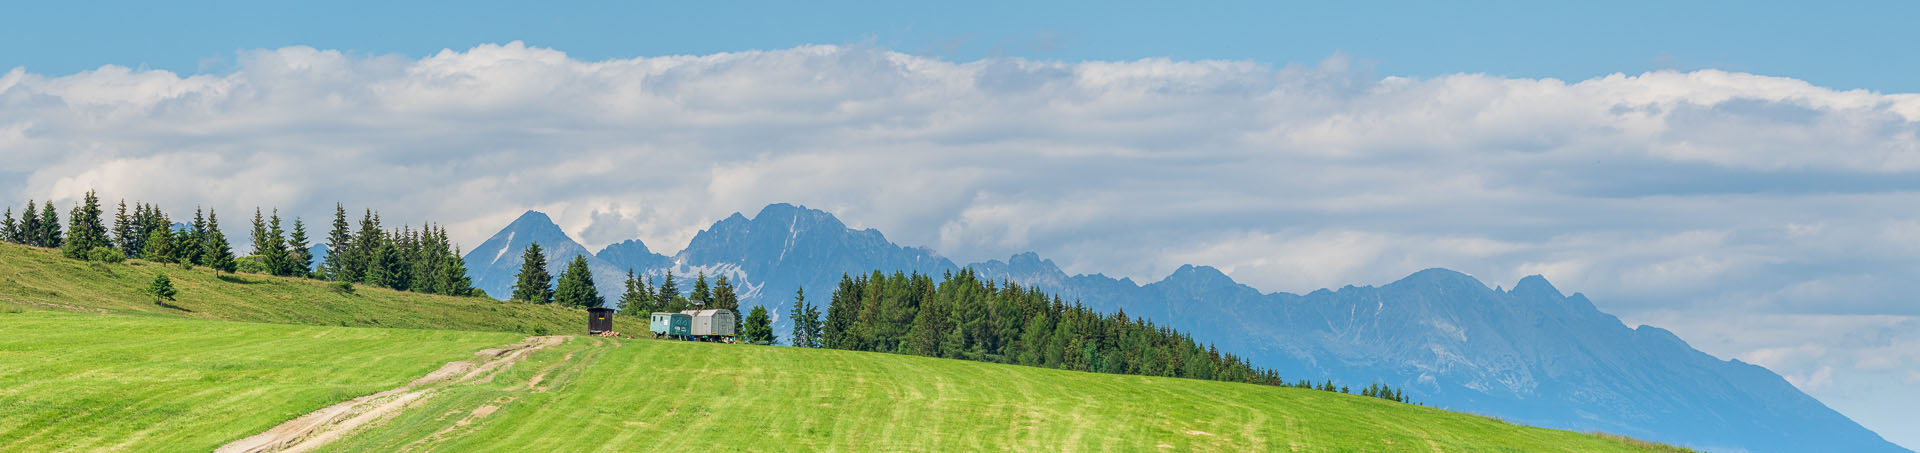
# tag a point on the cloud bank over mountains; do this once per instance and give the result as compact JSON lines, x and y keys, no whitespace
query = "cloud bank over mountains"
{"x":1689,"y":200}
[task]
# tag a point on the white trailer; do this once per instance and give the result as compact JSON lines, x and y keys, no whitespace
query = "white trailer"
{"x":712,"y":325}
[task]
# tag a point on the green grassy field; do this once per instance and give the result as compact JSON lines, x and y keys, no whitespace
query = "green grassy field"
{"x":74,"y":381}
{"x":88,"y":362}
{"x":596,"y":394}
{"x":40,"y":279}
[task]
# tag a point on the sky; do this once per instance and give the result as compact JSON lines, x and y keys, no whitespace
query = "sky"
{"x":1746,"y":175}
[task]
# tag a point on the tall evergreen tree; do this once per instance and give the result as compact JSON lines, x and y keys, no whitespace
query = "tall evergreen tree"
{"x":339,"y":246}
{"x":123,"y":233}
{"x":533,"y":282}
{"x":805,"y":321}
{"x":216,"y":253}
{"x":195,"y":248}
{"x":383,"y":268}
{"x":299,"y":254}
{"x":159,"y":247}
{"x":633,"y":301}
{"x":272,"y":249}
{"x":725,"y":299}
{"x":453,"y":276}
{"x":366,"y":242}
{"x":669,"y":297}
{"x":49,"y":226}
{"x":702,"y":294}
{"x":85,"y":230}
{"x":8,"y":227}
{"x":29,"y":232}
{"x":576,"y":286}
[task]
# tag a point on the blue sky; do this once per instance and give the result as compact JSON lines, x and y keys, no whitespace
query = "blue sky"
{"x":1844,"y":45}
{"x":1731,"y":186}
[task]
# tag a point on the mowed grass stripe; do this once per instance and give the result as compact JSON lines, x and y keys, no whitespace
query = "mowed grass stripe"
{"x":639,"y":395}
{"x":102,"y":382}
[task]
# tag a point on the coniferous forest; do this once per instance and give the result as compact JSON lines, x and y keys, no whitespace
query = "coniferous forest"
{"x":964,"y":317}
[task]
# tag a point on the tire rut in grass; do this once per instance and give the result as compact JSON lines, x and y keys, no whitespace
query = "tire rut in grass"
{"x":317,"y":428}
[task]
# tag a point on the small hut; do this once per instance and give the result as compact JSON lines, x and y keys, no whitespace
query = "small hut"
{"x":599,"y":319}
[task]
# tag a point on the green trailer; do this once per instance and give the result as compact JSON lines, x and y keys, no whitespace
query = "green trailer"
{"x":672,"y":325}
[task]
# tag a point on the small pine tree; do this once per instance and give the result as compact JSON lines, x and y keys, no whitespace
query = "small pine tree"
{"x":576,"y":286}
{"x":759,"y":327}
{"x":533,"y":282}
{"x":161,"y":288}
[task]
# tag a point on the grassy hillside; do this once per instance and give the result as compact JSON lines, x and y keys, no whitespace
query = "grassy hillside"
{"x":596,"y":394}
{"x":73,"y":381}
{"x":40,"y":279}
{"x":89,"y":362}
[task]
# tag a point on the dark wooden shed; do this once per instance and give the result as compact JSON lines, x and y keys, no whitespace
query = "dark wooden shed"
{"x":599,"y":320}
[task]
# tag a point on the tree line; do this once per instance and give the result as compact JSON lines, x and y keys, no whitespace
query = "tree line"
{"x":965,"y":317}
{"x":146,"y":233}
{"x":405,"y":259}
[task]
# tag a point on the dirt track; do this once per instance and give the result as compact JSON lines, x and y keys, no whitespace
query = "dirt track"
{"x":317,"y":428}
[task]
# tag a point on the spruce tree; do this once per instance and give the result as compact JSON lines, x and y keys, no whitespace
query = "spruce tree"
{"x":631,"y":302}
{"x":29,"y":232}
{"x":811,"y":316}
{"x":702,"y":295}
{"x":453,"y":276}
{"x":339,"y":246}
{"x":49,"y":226}
{"x":669,"y":297}
{"x":182,"y":247}
{"x":123,"y":231}
{"x":299,"y":254}
{"x":7,"y":227}
{"x":159,"y":247}
{"x":800,"y":336}
{"x":272,"y":249}
{"x":196,"y":248}
{"x":86,"y":231}
{"x":161,"y":288}
{"x":759,"y":327}
{"x":215,"y":251}
{"x":724,"y":298}
{"x":576,"y":286}
{"x":532,"y":283}
{"x":365,"y":243}
{"x":383,"y":268}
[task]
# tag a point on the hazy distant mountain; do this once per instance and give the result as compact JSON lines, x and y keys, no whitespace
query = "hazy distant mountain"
{"x":1530,"y":355}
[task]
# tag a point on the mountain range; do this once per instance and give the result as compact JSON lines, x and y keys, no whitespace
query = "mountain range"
{"x":1530,"y":355}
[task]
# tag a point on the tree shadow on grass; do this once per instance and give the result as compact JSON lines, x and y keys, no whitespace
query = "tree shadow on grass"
{"x":235,"y":279}
{"x":164,"y":304}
